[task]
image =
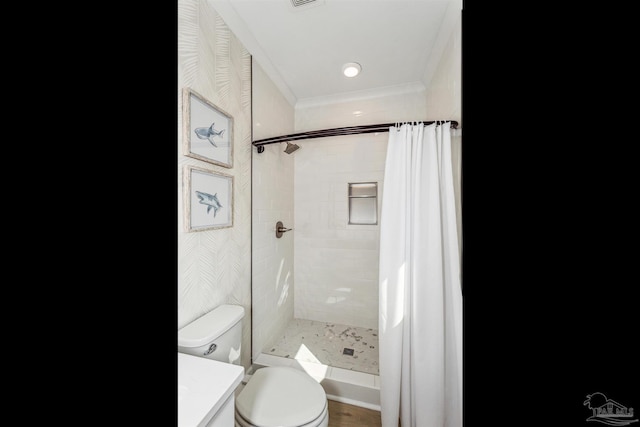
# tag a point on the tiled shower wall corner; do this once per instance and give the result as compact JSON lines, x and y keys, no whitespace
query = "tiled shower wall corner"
{"x":273,"y":291}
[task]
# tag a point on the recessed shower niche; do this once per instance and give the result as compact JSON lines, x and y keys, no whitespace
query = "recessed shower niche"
{"x":363,"y":203}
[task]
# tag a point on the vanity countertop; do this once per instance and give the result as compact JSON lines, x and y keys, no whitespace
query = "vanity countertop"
{"x":203,"y":387}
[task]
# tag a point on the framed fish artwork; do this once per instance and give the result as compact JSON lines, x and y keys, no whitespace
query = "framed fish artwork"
{"x":208,"y":199}
{"x":207,"y":130}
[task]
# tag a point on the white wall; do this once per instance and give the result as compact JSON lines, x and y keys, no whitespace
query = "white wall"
{"x":444,"y":100}
{"x":384,"y":109}
{"x":272,"y":275}
{"x":444,"y":92}
{"x":214,"y":265}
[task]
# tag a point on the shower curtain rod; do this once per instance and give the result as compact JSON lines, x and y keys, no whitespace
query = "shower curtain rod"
{"x":350,"y":130}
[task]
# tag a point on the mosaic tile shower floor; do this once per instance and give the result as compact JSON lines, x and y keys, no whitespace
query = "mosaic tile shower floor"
{"x":325,"y":343}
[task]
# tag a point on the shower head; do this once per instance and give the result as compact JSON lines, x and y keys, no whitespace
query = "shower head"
{"x":291,"y":148}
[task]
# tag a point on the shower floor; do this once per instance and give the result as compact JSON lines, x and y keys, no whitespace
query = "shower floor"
{"x":332,"y":344}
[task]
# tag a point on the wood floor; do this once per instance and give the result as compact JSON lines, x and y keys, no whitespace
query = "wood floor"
{"x":343,"y":415}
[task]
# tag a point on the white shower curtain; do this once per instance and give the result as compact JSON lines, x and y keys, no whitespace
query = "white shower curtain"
{"x":420,"y":314}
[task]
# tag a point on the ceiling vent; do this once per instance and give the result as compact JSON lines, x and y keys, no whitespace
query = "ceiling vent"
{"x":305,"y":4}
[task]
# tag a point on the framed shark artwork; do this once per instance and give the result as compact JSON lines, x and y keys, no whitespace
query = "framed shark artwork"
{"x":208,"y":199}
{"x":207,"y":130}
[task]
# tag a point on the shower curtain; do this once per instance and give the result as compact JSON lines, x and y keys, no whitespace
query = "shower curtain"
{"x":420,"y":313}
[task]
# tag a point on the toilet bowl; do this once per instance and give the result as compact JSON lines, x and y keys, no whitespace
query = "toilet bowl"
{"x":275,"y":396}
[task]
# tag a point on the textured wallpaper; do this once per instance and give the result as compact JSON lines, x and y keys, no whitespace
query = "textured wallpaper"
{"x":214,"y":266}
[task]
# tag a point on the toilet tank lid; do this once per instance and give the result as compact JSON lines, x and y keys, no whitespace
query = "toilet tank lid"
{"x":210,"y":326}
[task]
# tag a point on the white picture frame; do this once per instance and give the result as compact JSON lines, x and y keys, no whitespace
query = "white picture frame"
{"x":207,"y":130}
{"x":208,"y":199}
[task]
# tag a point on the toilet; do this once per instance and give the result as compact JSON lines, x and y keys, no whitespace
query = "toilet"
{"x":274,"y":396}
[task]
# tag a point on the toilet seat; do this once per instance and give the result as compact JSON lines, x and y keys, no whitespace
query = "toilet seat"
{"x":281,"y":396}
{"x":321,"y":421}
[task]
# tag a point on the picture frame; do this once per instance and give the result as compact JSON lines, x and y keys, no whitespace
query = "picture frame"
{"x":208,"y":199}
{"x":207,"y":130}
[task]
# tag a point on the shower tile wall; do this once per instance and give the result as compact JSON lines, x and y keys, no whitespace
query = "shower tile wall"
{"x":272,"y":182}
{"x":336,"y":276}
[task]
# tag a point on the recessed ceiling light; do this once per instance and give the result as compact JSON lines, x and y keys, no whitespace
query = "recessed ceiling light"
{"x":351,"y":69}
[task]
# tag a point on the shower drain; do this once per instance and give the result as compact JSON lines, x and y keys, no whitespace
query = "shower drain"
{"x":347,"y":351}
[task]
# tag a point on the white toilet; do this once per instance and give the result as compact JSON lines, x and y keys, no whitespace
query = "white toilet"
{"x":274,"y":396}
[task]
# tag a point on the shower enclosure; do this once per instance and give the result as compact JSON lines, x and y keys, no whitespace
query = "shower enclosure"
{"x":315,"y":289}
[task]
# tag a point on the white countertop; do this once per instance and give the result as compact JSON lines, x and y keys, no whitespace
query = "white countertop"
{"x":203,"y":387}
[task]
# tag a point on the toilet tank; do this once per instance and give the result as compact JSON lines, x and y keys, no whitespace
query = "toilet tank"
{"x":216,"y":335}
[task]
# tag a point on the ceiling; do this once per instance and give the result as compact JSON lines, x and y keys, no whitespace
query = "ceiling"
{"x":302,"y":49}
